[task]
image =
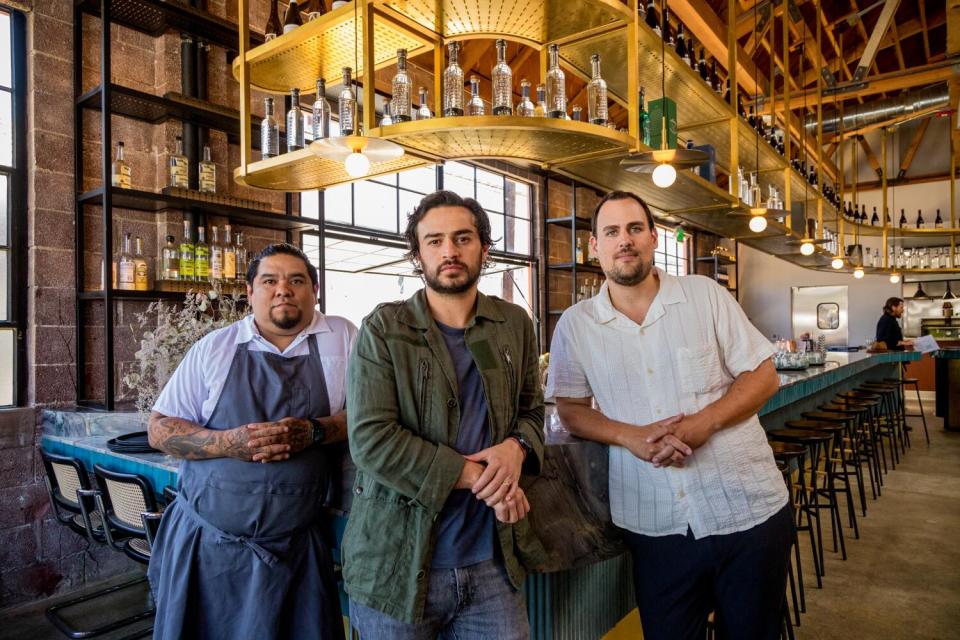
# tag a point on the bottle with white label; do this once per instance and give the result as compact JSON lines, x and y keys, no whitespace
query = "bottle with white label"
{"x":207,"y":172}
{"x":125,"y":267}
{"x":216,"y":256}
{"x":229,"y":255}
{"x":120,"y":170}
{"x":140,"y":277}
{"x":179,"y":172}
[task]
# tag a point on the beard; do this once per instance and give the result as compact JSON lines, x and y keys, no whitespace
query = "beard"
{"x":629,"y":276}
{"x":285,"y":318}
{"x":452,"y":285}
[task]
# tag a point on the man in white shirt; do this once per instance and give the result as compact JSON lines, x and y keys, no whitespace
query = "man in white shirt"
{"x":678,"y":374}
{"x":241,"y":552}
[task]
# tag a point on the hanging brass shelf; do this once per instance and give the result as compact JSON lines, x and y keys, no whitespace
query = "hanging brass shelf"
{"x":321,"y":48}
{"x":303,"y":170}
{"x":870,"y":230}
{"x":542,"y":141}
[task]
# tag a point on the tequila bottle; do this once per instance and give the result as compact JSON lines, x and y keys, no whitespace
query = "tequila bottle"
{"x":321,"y":113}
{"x":502,"y":82}
{"x":179,"y":171}
{"x":273,"y":28}
{"x":120,"y":170}
{"x":170,"y":261}
{"x":540,"y":111}
{"x":216,"y":256}
{"x":201,"y":256}
{"x":597,"y":94}
{"x":126,"y":269}
{"x":294,"y":123}
{"x":402,"y":88}
{"x":187,"y":263}
{"x":241,"y":252}
{"x":229,"y":256}
{"x":207,"y":172}
{"x":556,"y":85}
{"x":387,"y":119}
{"x":140,"y":278}
{"x":423,"y":113}
{"x":269,"y":132}
{"x":525,"y":108}
{"x":453,"y":84}
{"x":577,"y":113}
{"x":475,"y":106}
{"x":347,"y":104}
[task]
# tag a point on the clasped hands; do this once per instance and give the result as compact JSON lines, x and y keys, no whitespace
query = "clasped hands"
{"x":668,"y":442}
{"x":493,"y":475}
{"x":271,"y":441}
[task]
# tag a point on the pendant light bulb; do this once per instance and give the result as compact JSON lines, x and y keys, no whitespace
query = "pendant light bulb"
{"x":837,"y":263}
{"x":806,"y":248}
{"x":858,"y":273}
{"x":664,"y":175}
{"x":758,"y":224}
{"x":894,"y":278}
{"x":357,"y":165}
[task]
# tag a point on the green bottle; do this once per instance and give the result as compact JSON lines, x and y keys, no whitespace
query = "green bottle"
{"x":644,"y":121}
{"x":187,"y":271}
{"x":201,"y":256}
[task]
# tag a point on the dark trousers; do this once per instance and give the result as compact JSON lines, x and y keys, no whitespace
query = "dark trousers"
{"x":740,"y":576}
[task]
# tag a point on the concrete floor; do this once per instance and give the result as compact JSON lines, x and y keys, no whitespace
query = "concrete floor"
{"x":901,"y":580}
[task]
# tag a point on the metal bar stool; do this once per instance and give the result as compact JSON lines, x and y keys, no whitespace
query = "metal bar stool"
{"x":875,"y":422}
{"x":860,"y":450}
{"x":842,"y":470}
{"x":915,"y":383}
{"x":890,"y":397}
{"x":789,"y":457}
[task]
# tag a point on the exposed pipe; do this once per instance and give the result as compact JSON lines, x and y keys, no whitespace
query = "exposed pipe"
{"x":935,"y":96}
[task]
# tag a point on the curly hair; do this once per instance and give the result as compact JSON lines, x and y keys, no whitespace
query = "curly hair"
{"x":445,"y":198}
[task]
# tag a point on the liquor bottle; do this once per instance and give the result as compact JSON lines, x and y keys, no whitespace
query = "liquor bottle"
{"x":752,"y":119}
{"x":577,"y":113}
{"x":867,"y":258}
{"x":726,"y":95}
{"x":295,"y":139}
{"x":179,"y":170}
{"x":187,"y":263}
{"x":140,"y":278}
{"x":887,"y":216}
{"x":644,"y":121}
{"x":682,"y":50}
{"x":292,"y":19}
{"x":556,"y":85}
{"x":540,"y":111}
{"x":903,"y":218}
{"x":241,"y":257}
{"x":874,"y":219}
{"x":919,"y":219}
{"x":347,"y":104}
{"x":702,"y":68}
{"x":740,"y":110}
{"x":387,"y":119}
{"x":475,"y":106}
{"x":120,"y":170}
{"x":423,"y":113}
{"x":597,"y":94}
{"x":201,"y":256}
{"x":938,"y":223}
{"x":863,"y":214}
{"x":314,"y":9}
{"x":402,"y":88}
{"x":502,"y":80}
{"x":714,"y":78}
{"x":273,"y":28}
{"x":761,"y":131}
{"x":229,"y":256}
{"x":453,"y":83}
{"x":269,"y":132}
{"x":207,"y":172}
{"x":335,"y":5}
{"x":170,"y":261}
{"x":216,"y":256}
{"x":651,"y":17}
{"x":126,"y":269}
{"x":665,"y":25}
{"x":781,"y":146}
{"x":525,"y":108}
{"x":321,"y":112}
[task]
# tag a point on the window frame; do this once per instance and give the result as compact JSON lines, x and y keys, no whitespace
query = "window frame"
{"x":661,"y":252}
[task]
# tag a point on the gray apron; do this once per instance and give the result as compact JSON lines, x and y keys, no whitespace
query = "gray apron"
{"x":240,"y":552}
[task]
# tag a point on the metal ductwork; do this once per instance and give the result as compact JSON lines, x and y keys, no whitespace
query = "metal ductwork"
{"x":862,"y":115}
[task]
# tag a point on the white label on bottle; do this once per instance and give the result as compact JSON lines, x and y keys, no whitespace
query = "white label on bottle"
{"x":287,"y":28}
{"x":121,"y":177}
{"x":208,"y":179}
{"x":125,"y":278}
{"x":230,"y":265}
{"x":178,"y":173}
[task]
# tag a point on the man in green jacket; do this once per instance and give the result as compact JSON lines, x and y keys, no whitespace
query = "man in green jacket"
{"x":445,"y":412}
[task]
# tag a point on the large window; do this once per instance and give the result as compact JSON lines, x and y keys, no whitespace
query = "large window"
{"x":12,"y":218}
{"x":671,"y":255}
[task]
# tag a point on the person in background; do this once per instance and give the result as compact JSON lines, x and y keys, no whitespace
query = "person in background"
{"x":678,"y":373}
{"x":445,"y":414}
{"x":241,"y":552}
{"x":888,"y":329}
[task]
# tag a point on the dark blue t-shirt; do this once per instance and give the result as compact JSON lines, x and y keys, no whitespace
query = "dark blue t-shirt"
{"x":467,"y":525}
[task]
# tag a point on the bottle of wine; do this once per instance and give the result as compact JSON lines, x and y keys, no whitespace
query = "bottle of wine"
{"x":453,"y":83}
{"x":938,"y":223}
{"x":423,"y":113}
{"x":903,"y":218}
{"x":597,"y":94}
{"x":179,"y":171}
{"x":229,"y":256}
{"x":714,"y":78}
{"x":187,"y":262}
{"x":269,"y":132}
{"x":347,"y":104}
{"x":874,"y":219}
{"x":475,"y":106}
{"x":321,"y":114}
{"x":540,"y":110}
{"x":292,"y":19}
{"x":120,"y":170}
{"x":170,"y":261}
{"x":126,"y":269}
{"x":682,"y":50}
{"x":644,"y":120}
{"x":295,"y":138}
{"x":556,"y":85}
{"x":216,"y":256}
{"x":207,"y":172}
{"x":314,"y":9}
{"x":201,"y":256}
{"x":651,"y":17}
{"x":274,"y":28}
{"x":752,"y":119}
{"x":665,"y":26}
{"x":702,"y":68}
{"x":919,"y":219}
{"x":863,"y":214}
{"x":691,"y":59}
{"x":726,"y":95}
{"x":502,"y":79}
{"x":402,"y":88}
{"x":525,"y":108}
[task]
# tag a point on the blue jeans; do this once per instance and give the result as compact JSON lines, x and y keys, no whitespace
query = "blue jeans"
{"x":472,"y":603}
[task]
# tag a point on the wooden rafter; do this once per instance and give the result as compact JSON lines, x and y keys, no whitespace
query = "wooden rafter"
{"x":871,"y":156}
{"x":751,"y":45}
{"x":878,"y":184}
{"x":923,"y":23}
{"x":914,"y":145}
{"x":896,"y":44}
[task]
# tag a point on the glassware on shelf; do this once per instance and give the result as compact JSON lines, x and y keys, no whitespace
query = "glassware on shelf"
{"x":314,"y":9}
{"x":475,"y":106}
{"x":525,"y":108}
{"x":120,"y":170}
{"x":347,"y":104}
{"x":502,"y":80}
{"x":387,"y":119}
{"x":295,"y":138}
{"x":540,"y":110}
{"x":402,"y":88}
{"x":556,"y":85}
{"x":269,"y":132}
{"x":577,"y":113}
{"x":321,"y":112}
{"x":453,"y":83}
{"x":207,"y":172}
{"x":597,"y":94}
{"x":423,"y":113}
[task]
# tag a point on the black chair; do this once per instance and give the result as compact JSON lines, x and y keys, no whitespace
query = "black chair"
{"x":128,"y":506}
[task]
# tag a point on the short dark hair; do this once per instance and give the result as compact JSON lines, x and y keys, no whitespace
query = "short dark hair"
{"x":444,"y":198}
{"x":621,"y":195}
{"x":891,"y":303}
{"x":283,"y":248}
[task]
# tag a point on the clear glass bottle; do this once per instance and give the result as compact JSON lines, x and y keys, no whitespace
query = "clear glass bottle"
{"x":126,"y":269}
{"x":201,"y":256}
{"x":141,"y":280}
{"x":540,"y":110}
{"x":556,"y":85}
{"x":402,"y":88}
{"x":229,"y":255}
{"x":597,"y":94}
{"x":170,"y":261}
{"x":269,"y":132}
{"x":241,"y":252}
{"x":423,"y":113}
{"x":502,"y":79}
{"x":453,"y":83}
{"x":475,"y":106}
{"x":525,"y":108}
{"x":292,"y":19}
{"x":216,"y":256}
{"x":577,"y":113}
{"x":120,"y":170}
{"x":644,"y":120}
{"x":207,"y":172}
{"x":179,"y":170}
{"x":295,"y":139}
{"x":347,"y":104}
{"x":387,"y":119}
{"x":321,"y":112}
{"x":187,"y":262}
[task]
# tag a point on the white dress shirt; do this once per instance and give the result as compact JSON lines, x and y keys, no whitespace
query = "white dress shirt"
{"x":194,"y":388}
{"x":693,"y":343}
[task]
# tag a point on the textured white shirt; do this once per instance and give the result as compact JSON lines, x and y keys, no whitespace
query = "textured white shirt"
{"x":693,"y":343}
{"x":194,"y":388}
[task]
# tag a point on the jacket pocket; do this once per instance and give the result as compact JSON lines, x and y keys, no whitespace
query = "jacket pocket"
{"x":423,"y":394}
{"x":375,"y":544}
{"x":529,"y":551}
{"x":699,"y":368}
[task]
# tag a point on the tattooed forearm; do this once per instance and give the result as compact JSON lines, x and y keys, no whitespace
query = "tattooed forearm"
{"x":335,"y":428}
{"x":186,"y":439}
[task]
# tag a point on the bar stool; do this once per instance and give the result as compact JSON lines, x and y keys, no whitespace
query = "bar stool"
{"x":789,"y":456}
{"x":846,"y":469}
{"x":890,"y":397}
{"x":874,"y":423}
{"x":915,"y":382}
{"x":860,"y":449}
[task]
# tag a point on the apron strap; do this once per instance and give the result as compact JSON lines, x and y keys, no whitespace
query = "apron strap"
{"x":253,"y":544}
